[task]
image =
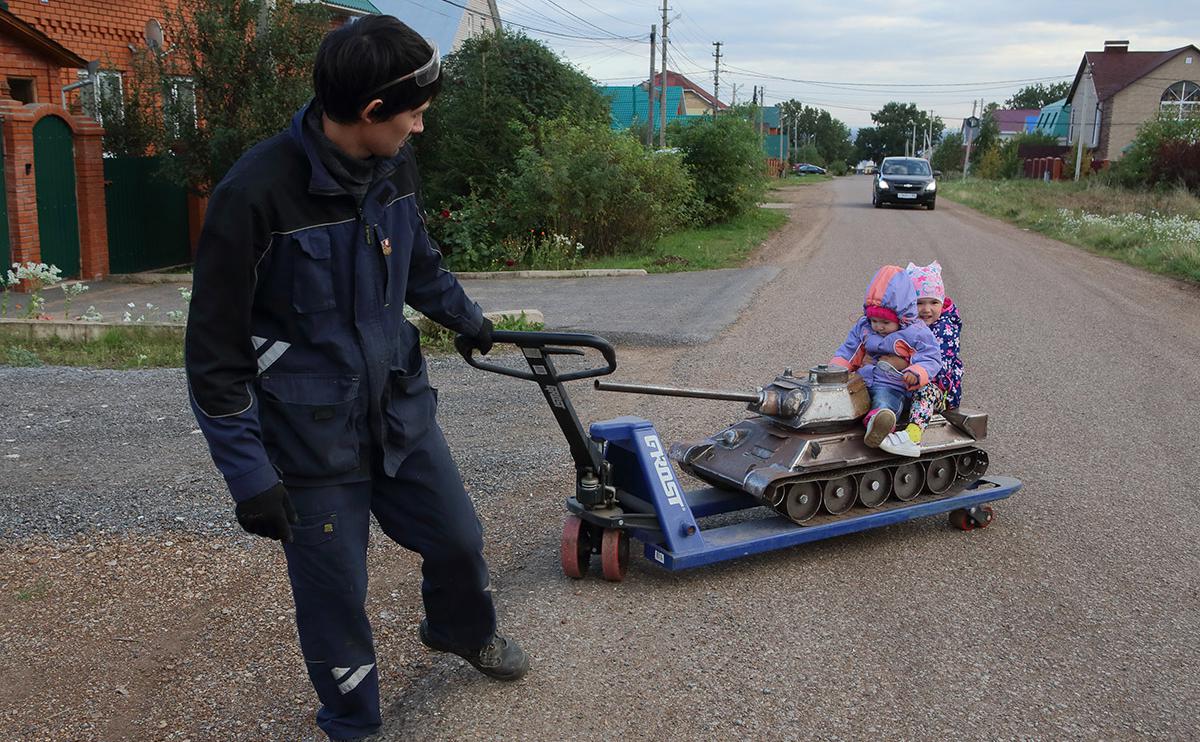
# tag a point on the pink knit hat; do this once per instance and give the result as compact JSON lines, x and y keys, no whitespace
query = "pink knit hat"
{"x":927,"y":279}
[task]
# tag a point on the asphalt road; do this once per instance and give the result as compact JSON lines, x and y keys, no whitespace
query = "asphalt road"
{"x":1074,"y":616}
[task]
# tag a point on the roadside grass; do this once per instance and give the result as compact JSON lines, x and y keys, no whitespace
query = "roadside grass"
{"x":1155,"y":230}
{"x":140,"y":347}
{"x":124,"y":348}
{"x":723,"y":245}
{"x":794,"y":179}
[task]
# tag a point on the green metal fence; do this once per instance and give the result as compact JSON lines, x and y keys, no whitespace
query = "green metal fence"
{"x":147,"y":216}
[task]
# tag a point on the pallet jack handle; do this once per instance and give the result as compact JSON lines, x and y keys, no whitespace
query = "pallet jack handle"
{"x":547,"y":344}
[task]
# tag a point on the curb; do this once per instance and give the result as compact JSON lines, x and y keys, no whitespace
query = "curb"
{"x":532,"y":316}
{"x":75,"y":330}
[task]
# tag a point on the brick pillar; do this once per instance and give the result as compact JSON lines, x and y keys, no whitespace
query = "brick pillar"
{"x":89,"y":196}
{"x":19,"y":181}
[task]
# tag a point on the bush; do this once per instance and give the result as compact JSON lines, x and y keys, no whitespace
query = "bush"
{"x":726,"y":159}
{"x":598,"y":187}
{"x":838,"y":167}
{"x":1177,"y":162}
{"x":949,"y":153}
{"x":1138,"y":167}
{"x":576,"y":184}
{"x":991,"y":164}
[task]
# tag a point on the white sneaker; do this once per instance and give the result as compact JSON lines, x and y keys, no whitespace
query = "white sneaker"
{"x":900,"y":444}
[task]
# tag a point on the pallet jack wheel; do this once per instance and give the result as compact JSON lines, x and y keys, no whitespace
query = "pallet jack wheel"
{"x":614,"y":554}
{"x":575,"y":549}
{"x":968,"y":519}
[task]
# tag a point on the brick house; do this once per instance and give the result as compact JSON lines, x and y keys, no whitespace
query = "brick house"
{"x":52,"y":204}
{"x":1126,"y":89}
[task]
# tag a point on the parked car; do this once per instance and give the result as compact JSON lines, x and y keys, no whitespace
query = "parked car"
{"x":904,"y":180}
{"x":805,"y":168}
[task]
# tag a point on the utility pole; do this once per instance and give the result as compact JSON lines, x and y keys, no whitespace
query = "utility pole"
{"x":733,"y":95}
{"x":662,"y":93}
{"x":716,"y":77}
{"x":650,"y":91}
{"x":970,"y":136}
{"x":1087,"y":82}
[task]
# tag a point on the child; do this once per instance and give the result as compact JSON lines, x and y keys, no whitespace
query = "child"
{"x":940,"y":314}
{"x":891,"y":349}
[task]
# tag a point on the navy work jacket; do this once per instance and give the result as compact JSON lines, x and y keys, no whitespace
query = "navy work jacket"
{"x":300,"y":362}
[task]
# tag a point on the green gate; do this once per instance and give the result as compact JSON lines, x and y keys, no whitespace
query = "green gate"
{"x":147,"y":216}
{"x":58,"y":215}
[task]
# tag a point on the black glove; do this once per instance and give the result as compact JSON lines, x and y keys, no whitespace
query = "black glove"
{"x":268,"y":514}
{"x":483,"y":339}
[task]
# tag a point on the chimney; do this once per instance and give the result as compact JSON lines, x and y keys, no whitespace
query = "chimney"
{"x":1118,"y":46}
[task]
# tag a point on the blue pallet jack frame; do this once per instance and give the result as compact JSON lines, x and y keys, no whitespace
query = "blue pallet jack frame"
{"x":626,"y":485}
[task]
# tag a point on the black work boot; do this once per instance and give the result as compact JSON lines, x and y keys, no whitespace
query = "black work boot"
{"x":500,"y":658}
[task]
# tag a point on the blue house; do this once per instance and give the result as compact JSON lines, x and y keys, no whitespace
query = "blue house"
{"x":442,"y":23}
{"x":627,"y":105}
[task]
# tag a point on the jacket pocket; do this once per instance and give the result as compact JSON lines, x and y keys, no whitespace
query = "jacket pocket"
{"x":310,"y":423}
{"x":312,"y":273}
{"x":411,"y":402}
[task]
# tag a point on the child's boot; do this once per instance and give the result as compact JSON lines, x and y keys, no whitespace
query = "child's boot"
{"x":879,"y":423}
{"x":903,"y":442}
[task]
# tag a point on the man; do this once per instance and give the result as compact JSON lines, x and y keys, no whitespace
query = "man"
{"x":310,"y":385}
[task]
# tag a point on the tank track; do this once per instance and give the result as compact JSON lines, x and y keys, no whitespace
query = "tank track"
{"x":958,"y":469}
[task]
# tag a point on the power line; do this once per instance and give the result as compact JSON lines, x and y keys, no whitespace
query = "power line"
{"x":582,"y":19}
{"x":754,"y":73}
{"x":542,"y":30}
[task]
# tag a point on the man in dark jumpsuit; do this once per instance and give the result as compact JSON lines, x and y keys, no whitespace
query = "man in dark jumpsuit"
{"x":308,"y":382}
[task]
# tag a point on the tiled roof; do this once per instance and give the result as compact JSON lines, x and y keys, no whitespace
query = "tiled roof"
{"x":627,"y":103}
{"x":363,"y":7}
{"x":674,"y":78}
{"x":1113,"y":71}
{"x":1013,"y":119}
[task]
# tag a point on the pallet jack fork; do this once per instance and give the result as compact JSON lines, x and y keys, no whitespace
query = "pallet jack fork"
{"x":626,"y":485}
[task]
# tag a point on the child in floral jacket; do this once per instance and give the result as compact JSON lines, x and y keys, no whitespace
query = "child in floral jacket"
{"x":940,"y":314}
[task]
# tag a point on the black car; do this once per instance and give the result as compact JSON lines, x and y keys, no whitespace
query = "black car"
{"x":904,"y":180}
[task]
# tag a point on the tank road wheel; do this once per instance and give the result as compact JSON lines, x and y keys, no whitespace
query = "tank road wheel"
{"x":972,"y":464}
{"x":802,"y":501}
{"x":839,"y":495}
{"x":939,"y":474}
{"x":614,"y":554}
{"x":874,"y":487}
{"x":907,"y":481}
{"x":968,"y":519}
{"x":575,"y":549}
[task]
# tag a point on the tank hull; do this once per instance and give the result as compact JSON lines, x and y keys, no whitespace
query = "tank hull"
{"x":779,"y":466}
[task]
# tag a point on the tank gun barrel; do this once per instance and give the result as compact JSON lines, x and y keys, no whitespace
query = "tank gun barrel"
{"x":753,"y":398}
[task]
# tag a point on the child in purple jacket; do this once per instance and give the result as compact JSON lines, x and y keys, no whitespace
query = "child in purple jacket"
{"x":937,"y":311}
{"x":893,"y":351}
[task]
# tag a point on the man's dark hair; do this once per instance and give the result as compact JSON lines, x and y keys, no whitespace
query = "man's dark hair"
{"x":360,"y":57}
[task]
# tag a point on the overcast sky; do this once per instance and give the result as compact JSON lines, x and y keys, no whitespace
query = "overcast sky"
{"x":903,"y":50}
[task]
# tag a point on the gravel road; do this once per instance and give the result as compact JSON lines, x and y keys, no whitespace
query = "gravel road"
{"x":130,"y":607}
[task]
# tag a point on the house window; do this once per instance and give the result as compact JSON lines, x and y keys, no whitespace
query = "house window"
{"x":179,"y":104}
{"x":103,"y":95}
{"x":21,"y":88}
{"x":1181,"y":99}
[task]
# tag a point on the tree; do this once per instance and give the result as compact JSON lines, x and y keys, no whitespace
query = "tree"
{"x":1038,"y":95}
{"x":949,"y":153}
{"x":236,"y":72}
{"x":496,"y":88}
{"x":893,"y":128}
{"x":815,"y":126}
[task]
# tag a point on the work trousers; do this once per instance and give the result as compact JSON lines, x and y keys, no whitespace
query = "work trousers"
{"x":423,"y":508}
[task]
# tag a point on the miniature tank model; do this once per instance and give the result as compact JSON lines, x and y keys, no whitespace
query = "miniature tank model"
{"x":803,"y":452}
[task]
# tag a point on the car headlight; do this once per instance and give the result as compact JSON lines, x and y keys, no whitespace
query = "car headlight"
{"x":932,"y":186}
{"x":883,"y":186}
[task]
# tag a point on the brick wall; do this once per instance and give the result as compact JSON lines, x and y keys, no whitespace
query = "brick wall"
{"x":1140,"y":101}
